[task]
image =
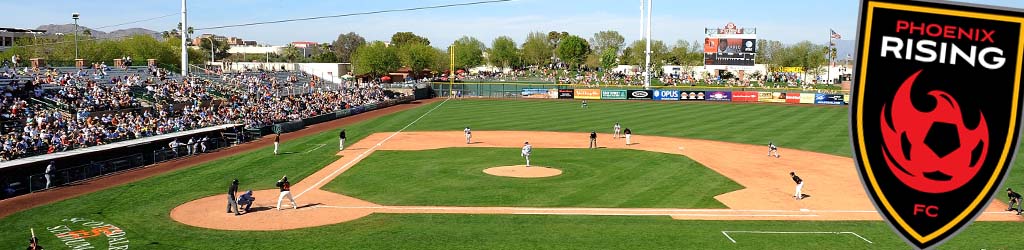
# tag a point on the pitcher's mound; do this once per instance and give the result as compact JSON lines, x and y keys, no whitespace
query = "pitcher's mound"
{"x":521,"y":171}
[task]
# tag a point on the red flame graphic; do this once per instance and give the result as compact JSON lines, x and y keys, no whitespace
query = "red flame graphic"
{"x":915,"y":163}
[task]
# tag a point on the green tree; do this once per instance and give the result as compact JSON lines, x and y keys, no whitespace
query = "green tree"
{"x":573,"y":50}
{"x":607,"y":40}
{"x":468,"y":52}
{"x":417,"y":57}
{"x":441,"y":61}
{"x":220,"y":47}
{"x":536,"y":49}
{"x":659,"y":52}
{"x":375,"y":59}
{"x":345,"y":45}
{"x":803,"y":54}
{"x":328,"y":57}
{"x":400,"y":39}
{"x":504,"y":52}
{"x":608,"y":59}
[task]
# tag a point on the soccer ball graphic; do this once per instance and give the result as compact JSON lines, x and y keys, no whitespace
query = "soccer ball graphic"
{"x":931,"y":151}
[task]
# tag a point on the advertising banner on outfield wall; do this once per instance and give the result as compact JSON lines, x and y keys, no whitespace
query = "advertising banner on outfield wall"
{"x":665,"y":95}
{"x":721,"y":96}
{"x":807,"y":98}
{"x":771,"y":97}
{"x":792,"y":97}
{"x":592,"y":94}
{"x":535,"y":93}
{"x":565,"y":94}
{"x":553,"y":93}
{"x":846,"y":99}
{"x":638,"y":94}
{"x":692,"y":96}
{"x":613,"y":94}
{"x":831,"y":99}
{"x":744,"y":96}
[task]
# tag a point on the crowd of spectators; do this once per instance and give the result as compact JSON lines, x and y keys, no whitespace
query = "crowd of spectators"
{"x":94,"y":109}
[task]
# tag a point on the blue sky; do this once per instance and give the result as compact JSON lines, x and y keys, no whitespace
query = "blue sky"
{"x":787,"y":20}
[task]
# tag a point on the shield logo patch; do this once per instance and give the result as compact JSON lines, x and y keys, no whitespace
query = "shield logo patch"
{"x":935,"y":112}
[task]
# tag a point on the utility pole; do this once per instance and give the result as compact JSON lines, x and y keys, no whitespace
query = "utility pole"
{"x":184,"y":36}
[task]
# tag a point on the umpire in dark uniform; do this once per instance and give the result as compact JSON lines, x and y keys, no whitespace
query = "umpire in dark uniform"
{"x":232,"y":202}
{"x":593,"y":139}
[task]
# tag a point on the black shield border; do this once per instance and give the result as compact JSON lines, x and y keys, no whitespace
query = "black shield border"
{"x":982,"y":202}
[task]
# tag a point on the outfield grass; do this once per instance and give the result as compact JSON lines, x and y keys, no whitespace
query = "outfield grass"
{"x":590,"y":178}
{"x":809,"y":127}
{"x":142,"y":208}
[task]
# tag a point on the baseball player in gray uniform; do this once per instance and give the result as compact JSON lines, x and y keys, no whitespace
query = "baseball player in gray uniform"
{"x":527,"y":150}
{"x":618,"y":130}
{"x":469,"y":134}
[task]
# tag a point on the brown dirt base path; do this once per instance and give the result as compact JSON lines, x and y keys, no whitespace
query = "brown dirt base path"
{"x":835,"y":191}
{"x":28,"y":201}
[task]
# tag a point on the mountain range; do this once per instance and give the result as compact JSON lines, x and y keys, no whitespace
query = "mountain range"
{"x":70,"y":29}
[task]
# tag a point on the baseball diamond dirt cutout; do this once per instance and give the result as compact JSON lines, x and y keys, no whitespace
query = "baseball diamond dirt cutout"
{"x":832,"y":180}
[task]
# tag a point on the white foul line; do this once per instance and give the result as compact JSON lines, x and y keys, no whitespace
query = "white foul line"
{"x":726,"y":233}
{"x":728,"y":237}
{"x":365,"y":152}
{"x":319,"y":145}
{"x":648,"y":211}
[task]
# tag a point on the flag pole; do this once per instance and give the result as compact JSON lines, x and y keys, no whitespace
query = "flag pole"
{"x":828,"y":66}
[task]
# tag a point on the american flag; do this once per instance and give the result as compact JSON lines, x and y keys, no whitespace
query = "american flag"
{"x":835,"y":35}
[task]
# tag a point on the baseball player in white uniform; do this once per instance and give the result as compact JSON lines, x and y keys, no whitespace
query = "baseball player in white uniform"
{"x":773,"y":149}
{"x":469,"y":134}
{"x":618,"y":129}
{"x":527,"y":149}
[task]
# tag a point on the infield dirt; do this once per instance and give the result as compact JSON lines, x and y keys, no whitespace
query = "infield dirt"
{"x":835,"y":191}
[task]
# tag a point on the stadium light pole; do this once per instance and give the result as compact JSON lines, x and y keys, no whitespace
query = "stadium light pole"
{"x":647,"y":64}
{"x":75,"y":16}
{"x":211,"y":51}
{"x":184,"y":34}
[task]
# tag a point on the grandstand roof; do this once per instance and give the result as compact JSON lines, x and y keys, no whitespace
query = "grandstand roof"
{"x":17,"y":30}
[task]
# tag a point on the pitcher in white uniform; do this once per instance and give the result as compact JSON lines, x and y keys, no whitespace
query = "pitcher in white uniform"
{"x":469,"y":134}
{"x":527,"y":149}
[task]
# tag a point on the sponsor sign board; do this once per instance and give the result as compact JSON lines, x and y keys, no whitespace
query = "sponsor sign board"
{"x":665,"y":95}
{"x":744,"y":96}
{"x":693,"y":96}
{"x":565,"y":93}
{"x":720,"y":96}
{"x":792,"y":97}
{"x":831,"y":99}
{"x":638,"y":94}
{"x":613,"y":94}
{"x":807,"y":98}
{"x":592,"y":94}
{"x":535,"y":93}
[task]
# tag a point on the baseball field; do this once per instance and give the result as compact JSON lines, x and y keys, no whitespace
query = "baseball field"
{"x":696,"y":177}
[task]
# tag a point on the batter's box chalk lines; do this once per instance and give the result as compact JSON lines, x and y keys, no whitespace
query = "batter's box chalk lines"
{"x":366,"y":152}
{"x":727,"y":236}
{"x":318,"y":146}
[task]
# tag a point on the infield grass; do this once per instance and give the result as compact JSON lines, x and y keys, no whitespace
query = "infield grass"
{"x":142,"y":208}
{"x":590,"y":178}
